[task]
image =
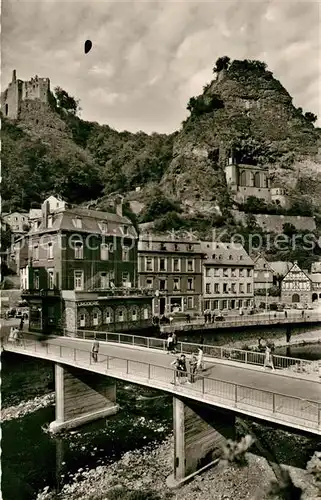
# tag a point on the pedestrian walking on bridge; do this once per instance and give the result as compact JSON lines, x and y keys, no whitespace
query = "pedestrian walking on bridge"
{"x":193,"y":367}
{"x":200,"y":356}
{"x":95,"y":350}
{"x":268,"y":360}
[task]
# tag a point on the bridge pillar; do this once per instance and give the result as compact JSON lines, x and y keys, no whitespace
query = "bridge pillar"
{"x":200,"y":433}
{"x":81,"y":397}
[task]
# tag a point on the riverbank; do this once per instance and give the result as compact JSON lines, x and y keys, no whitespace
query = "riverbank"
{"x":25,"y":407}
{"x":145,"y":471}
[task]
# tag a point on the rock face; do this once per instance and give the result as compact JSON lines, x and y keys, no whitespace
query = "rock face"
{"x":248,"y":113}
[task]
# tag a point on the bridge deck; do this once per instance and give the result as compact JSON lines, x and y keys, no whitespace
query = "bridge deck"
{"x":267,"y":395}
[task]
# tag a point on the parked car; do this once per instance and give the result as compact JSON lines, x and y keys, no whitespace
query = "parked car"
{"x":219,"y":317}
{"x":300,"y":307}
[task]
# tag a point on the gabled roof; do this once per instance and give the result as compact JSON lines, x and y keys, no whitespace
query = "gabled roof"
{"x":230,"y":254}
{"x":296,"y":270}
{"x":261,"y":264}
{"x":62,"y":220}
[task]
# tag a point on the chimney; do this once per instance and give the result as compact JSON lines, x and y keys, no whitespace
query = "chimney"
{"x":45,"y":211}
{"x":14,"y":76}
{"x":119,"y":205}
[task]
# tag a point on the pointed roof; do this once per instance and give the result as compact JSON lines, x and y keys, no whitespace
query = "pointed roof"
{"x":295,"y":269}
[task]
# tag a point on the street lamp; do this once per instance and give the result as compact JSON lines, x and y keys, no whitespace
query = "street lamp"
{"x":266,"y":276}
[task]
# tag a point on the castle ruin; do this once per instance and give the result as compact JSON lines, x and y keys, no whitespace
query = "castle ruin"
{"x":36,"y":89}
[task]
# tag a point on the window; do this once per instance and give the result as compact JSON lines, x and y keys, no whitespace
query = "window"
{"x":79,"y":280}
{"x":176,"y":265}
{"x":248,"y":288}
{"x":112,"y":278}
{"x":249,"y":273}
{"x":216,"y":272}
{"x":103,"y":280}
{"x":50,"y":251}
{"x":224,"y":304}
{"x":216,"y":288}
{"x":49,"y":221}
{"x":134,"y":315}
{"x":225,"y":290}
{"x":145,"y":313}
{"x":241,"y":273}
{"x":207,"y":272}
{"x":177,"y":285}
{"x":190,"y":247}
{"x":241,"y":288}
{"x":190,"y":284}
{"x":256,"y":274}
{"x":233,"y":287}
{"x":213,"y":256}
{"x":241,"y":257}
{"x":162,"y":264}
{"x":125,"y":229}
{"x":190,"y":265}
{"x":233,"y":273}
{"x":77,"y":222}
{"x":149,"y":282}
{"x":225,"y":272}
{"x":36,"y":280}
{"x":207,"y":304}
{"x":149,"y":264}
{"x":104,"y":251}
{"x":162,"y":285}
{"x":208,"y":288}
{"x":50,"y":279}
{"x":36,"y":252}
{"x":190,"y":302}
{"x":125,"y":254}
{"x":108,"y":317}
{"x":230,"y":257}
{"x":82,"y":320}
{"x":121,"y":316}
{"x":215,"y":304}
{"x":125,"y":279}
{"x":176,"y":247}
{"x":79,"y":250}
{"x":95,"y":318}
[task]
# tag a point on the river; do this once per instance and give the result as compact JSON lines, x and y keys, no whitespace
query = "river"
{"x":32,"y":459}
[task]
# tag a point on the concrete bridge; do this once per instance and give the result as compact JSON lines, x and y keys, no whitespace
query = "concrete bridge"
{"x":204,"y":412}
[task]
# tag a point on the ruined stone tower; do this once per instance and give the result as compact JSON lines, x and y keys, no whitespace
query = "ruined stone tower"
{"x":36,"y":89}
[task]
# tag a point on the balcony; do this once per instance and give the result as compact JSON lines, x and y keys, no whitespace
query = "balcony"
{"x":122,"y":291}
{"x":43,"y":292}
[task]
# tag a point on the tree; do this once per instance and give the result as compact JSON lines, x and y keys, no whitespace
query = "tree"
{"x":311,"y":117}
{"x":221,"y":63}
{"x":66,"y":102}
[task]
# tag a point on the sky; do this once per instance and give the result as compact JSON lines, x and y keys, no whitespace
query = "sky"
{"x":149,"y":57}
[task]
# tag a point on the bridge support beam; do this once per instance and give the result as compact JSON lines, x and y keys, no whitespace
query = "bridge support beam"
{"x":81,"y":397}
{"x":200,"y":433}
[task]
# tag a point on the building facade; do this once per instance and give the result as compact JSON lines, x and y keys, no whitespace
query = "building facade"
{"x":82,"y":272}
{"x":172,"y":268}
{"x":263,"y":274}
{"x":296,"y":286}
{"x":17,"y":221}
{"x":228,"y":277}
{"x":18,"y":91}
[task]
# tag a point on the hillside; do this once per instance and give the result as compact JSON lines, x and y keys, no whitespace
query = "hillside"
{"x":244,"y":110}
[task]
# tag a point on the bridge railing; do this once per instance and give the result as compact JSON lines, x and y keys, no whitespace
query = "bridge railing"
{"x":291,"y":365}
{"x":261,"y":402}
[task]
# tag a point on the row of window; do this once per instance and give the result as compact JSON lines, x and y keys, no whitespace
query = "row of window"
{"x":227,"y":288}
{"x":106,"y":280}
{"x":177,"y":247}
{"x":163,"y":264}
{"x":162,"y":283}
{"x":105,"y":251}
{"x":227,"y":272}
{"x":78,"y":223}
{"x":97,"y":318}
{"x":296,"y":285}
{"x":220,"y":305}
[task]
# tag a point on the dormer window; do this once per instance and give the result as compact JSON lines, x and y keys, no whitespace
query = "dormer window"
{"x":190,"y":247}
{"x":125,"y":229}
{"x":163,"y":246}
{"x":213,"y":256}
{"x":230,"y":257}
{"x":77,"y":222}
{"x":175,"y":247}
{"x":49,"y":221}
{"x":241,"y":257}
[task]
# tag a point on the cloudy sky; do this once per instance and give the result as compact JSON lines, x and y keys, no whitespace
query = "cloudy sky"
{"x":149,"y":57}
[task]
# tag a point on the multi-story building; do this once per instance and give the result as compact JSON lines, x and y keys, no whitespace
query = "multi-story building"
{"x":82,"y":272}
{"x":296,"y":286}
{"x":17,"y":221}
{"x":228,"y":281}
{"x":172,"y":268}
{"x":263,"y":274}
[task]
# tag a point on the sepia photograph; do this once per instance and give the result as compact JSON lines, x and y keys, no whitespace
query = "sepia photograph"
{"x":160,"y":250}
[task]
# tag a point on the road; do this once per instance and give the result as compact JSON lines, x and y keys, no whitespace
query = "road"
{"x":261,"y":379}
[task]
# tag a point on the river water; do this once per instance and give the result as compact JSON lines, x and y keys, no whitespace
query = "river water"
{"x":32,"y":459}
